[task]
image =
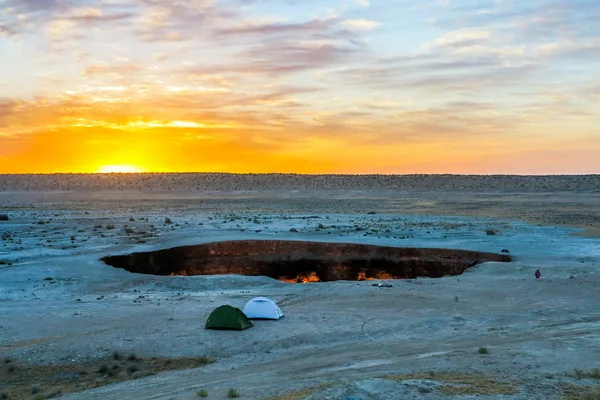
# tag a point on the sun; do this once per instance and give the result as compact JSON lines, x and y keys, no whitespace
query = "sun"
{"x":119,"y":169}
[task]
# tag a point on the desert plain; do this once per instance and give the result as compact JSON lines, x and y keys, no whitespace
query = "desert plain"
{"x":75,"y":328}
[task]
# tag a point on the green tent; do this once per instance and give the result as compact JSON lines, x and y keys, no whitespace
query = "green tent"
{"x":228,"y":317}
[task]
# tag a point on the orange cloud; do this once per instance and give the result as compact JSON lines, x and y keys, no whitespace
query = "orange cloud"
{"x":78,"y":134}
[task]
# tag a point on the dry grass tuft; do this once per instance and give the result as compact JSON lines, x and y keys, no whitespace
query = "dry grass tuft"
{"x":593,"y":373}
{"x":575,"y":392}
{"x":25,"y":381}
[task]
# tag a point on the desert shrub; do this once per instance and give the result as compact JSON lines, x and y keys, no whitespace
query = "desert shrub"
{"x":204,"y":360}
{"x":591,"y":395}
{"x":168,"y":220}
{"x":4,"y":395}
{"x":56,"y":392}
{"x":491,"y":232}
{"x":233,"y":393}
{"x":577,"y":373}
{"x":132,"y":368}
{"x":110,"y":226}
{"x":593,"y":373}
{"x":482,"y":350}
{"x":113,"y":370}
{"x":294,"y":230}
{"x":202,"y":393}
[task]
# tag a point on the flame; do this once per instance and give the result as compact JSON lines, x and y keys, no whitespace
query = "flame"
{"x":308,"y":278}
{"x":362,"y":276}
{"x":312,"y":277}
{"x":384,"y":275}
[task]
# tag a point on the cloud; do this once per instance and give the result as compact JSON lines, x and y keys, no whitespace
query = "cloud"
{"x":32,"y":5}
{"x":279,"y":57}
{"x":60,"y":19}
{"x":438,"y":72}
{"x":98,"y":69}
{"x":460,"y":39}
{"x":268,"y":27}
{"x":360,"y":24}
{"x":519,"y":20}
{"x":571,"y":49}
{"x":182,"y":20}
{"x":7,"y":108}
{"x":7,"y":31}
{"x":593,"y":91}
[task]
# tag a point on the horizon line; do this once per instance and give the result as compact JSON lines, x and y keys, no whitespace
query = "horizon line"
{"x":292,"y":173}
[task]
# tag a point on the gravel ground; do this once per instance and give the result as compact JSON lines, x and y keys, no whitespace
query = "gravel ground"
{"x":346,"y":339}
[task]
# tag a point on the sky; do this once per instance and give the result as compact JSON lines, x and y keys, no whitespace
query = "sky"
{"x":303,"y":86}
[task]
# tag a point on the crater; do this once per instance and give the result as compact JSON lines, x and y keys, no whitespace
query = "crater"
{"x":302,"y":262}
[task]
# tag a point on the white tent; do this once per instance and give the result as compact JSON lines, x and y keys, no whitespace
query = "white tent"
{"x":262,"y":308}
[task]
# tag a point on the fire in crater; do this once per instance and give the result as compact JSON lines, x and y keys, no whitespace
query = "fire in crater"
{"x":303,"y":262}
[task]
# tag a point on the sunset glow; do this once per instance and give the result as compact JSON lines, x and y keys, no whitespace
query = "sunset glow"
{"x":348,"y":86}
{"x":119,"y":169}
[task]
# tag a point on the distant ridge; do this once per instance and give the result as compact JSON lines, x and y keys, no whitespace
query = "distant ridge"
{"x":257,"y":182}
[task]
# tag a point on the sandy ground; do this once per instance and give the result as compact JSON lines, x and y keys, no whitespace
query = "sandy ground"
{"x":349,"y":334}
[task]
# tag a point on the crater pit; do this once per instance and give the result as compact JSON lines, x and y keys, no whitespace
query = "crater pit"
{"x":301,"y":262}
